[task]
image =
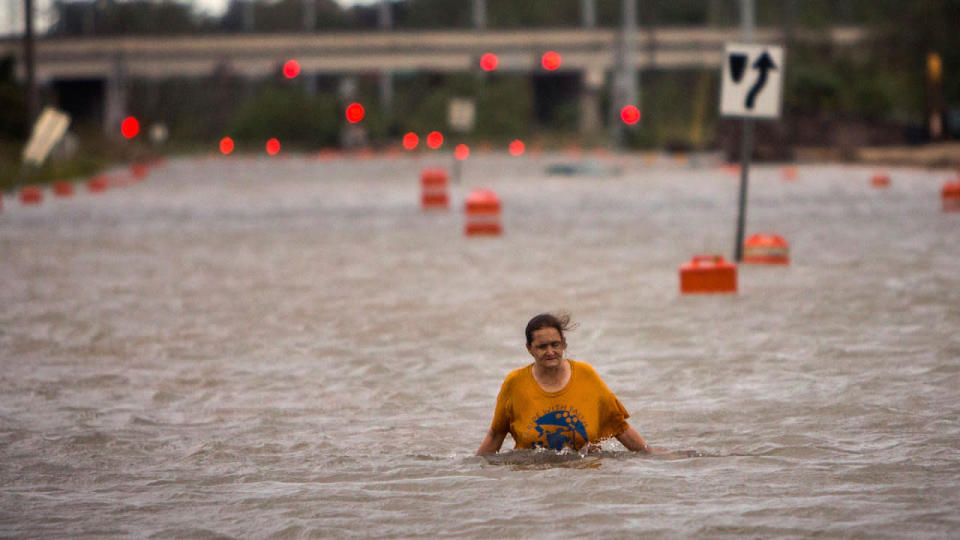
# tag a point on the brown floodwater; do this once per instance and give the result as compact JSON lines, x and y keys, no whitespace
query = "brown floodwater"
{"x":258,"y":347}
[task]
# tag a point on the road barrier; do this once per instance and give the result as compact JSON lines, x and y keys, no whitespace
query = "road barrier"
{"x":708,"y":274}
{"x":63,"y":189}
{"x":482,"y":213}
{"x":433,"y":189}
{"x":880,"y":180}
{"x":98,"y":184}
{"x":31,"y":195}
{"x":951,"y":196}
{"x":766,"y":248}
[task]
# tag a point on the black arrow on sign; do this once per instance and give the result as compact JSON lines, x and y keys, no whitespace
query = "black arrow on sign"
{"x":764,"y":64}
{"x":738,"y":61}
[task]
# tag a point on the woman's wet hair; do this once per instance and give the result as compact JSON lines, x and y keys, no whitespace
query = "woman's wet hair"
{"x":560,"y":321}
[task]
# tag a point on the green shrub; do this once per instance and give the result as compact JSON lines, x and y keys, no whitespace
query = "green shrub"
{"x":289,"y":115}
{"x":505,"y":108}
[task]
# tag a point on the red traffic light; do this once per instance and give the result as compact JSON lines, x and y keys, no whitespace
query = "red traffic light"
{"x":461,"y":152}
{"x":410,"y":140}
{"x":630,"y":114}
{"x":130,"y":127}
{"x":551,"y":60}
{"x":273,"y":147}
{"x":226,"y":145}
{"x":517,"y":147}
{"x":354,"y":113}
{"x":291,"y":68}
{"x":435,"y":139}
{"x":489,"y":61}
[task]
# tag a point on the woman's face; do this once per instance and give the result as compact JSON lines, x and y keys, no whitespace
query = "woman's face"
{"x":547,"y":347}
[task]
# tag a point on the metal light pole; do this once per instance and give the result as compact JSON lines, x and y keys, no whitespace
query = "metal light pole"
{"x":746,"y":142}
{"x":480,"y":14}
{"x":248,"y":15}
{"x":29,"y":62}
{"x":629,"y":42}
{"x":385,"y":22}
{"x":625,"y":78}
{"x":588,"y":13}
{"x":384,"y":15}
{"x":309,"y":16}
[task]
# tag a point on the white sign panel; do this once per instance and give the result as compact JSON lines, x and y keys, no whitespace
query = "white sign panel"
{"x":47,"y":132}
{"x":462,"y":114}
{"x":752,"y":85}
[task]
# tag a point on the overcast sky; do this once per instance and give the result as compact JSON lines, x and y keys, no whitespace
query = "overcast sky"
{"x":11,"y":12}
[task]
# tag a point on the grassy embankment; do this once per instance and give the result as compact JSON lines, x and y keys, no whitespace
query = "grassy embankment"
{"x":93,"y":155}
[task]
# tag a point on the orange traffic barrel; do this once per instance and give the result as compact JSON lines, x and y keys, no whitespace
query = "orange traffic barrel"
{"x":363,"y":153}
{"x":573,"y":150}
{"x":766,"y":248}
{"x":951,"y":196}
{"x":139,"y":170}
{"x":327,"y":154}
{"x":708,"y":274}
{"x":31,"y":195}
{"x":483,"y":213}
{"x":433,"y":189}
{"x":880,"y":180}
{"x":97,"y":184}
{"x":62,"y":189}
{"x":733,"y":169}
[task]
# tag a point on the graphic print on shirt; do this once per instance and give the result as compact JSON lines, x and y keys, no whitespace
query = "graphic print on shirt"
{"x":560,"y":426}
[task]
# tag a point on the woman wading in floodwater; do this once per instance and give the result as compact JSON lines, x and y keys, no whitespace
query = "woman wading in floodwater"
{"x":557,"y":402}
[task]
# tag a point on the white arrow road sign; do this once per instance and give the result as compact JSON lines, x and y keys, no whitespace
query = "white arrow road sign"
{"x":752,"y":81}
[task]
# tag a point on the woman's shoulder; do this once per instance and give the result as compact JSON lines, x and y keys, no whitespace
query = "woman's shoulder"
{"x":516,"y":375}
{"x":584,"y":369}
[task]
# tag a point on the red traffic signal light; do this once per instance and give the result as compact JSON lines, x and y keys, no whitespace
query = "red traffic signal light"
{"x":435,"y":139}
{"x":489,"y":61}
{"x":630,"y":114}
{"x":273,"y":147}
{"x":354,"y":113}
{"x":130,"y":127}
{"x":410,"y":140}
{"x":226,"y":145}
{"x":291,"y":68}
{"x":551,"y":60}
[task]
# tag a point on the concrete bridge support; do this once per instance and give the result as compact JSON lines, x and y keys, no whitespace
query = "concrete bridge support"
{"x":115,"y":98}
{"x":386,"y":92}
{"x":591,"y":117}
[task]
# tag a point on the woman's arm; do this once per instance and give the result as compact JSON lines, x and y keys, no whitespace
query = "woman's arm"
{"x":492,"y":442}
{"x":632,"y":440}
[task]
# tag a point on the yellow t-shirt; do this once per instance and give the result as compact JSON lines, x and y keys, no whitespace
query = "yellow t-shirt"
{"x":584,"y":410}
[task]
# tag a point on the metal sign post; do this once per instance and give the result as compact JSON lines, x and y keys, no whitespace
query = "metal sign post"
{"x":746,"y":140}
{"x":461,"y":117}
{"x":751,"y":88}
{"x":746,"y":147}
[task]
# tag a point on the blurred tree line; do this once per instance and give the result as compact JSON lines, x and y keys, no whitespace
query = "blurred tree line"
{"x":875,"y":93}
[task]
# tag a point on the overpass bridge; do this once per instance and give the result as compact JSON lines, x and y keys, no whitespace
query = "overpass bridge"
{"x":589,"y":53}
